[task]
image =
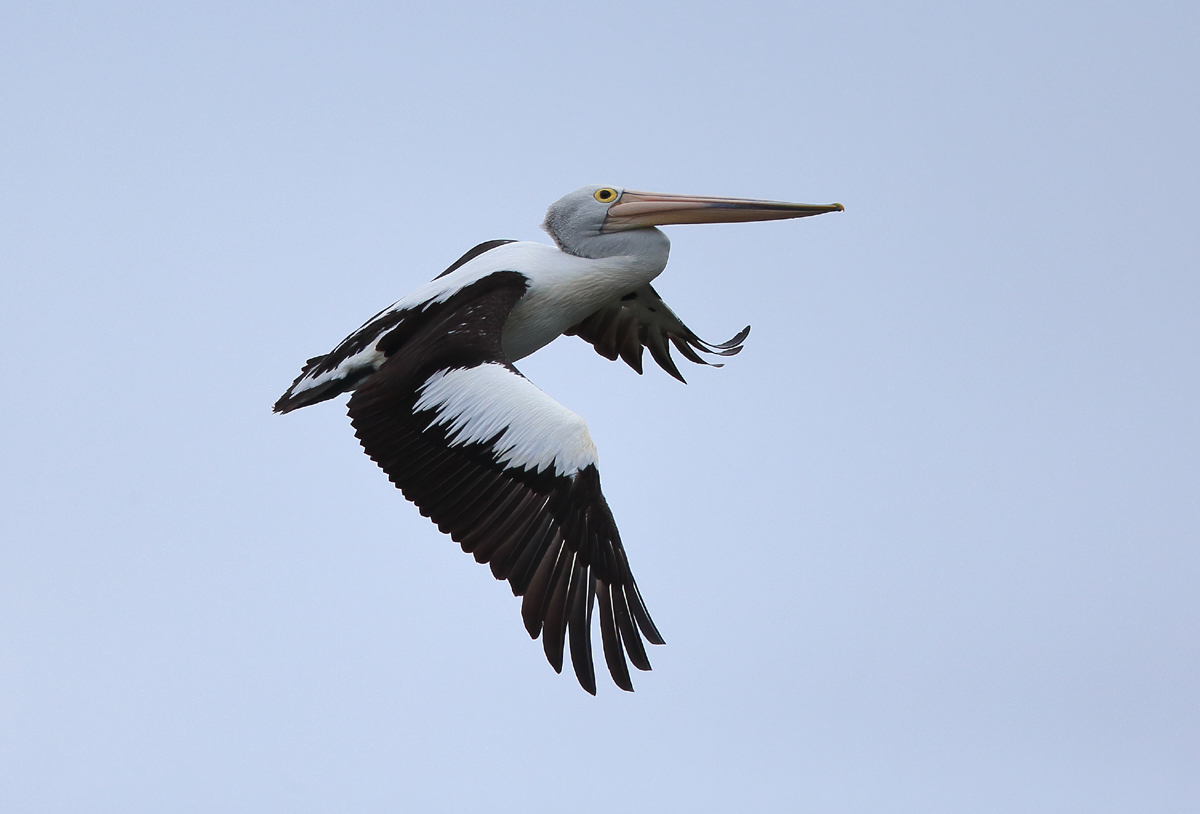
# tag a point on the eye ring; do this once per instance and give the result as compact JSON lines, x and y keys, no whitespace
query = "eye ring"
{"x":606,"y":195}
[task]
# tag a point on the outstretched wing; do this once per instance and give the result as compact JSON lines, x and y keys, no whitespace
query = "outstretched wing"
{"x":641,"y":319}
{"x":508,"y":473}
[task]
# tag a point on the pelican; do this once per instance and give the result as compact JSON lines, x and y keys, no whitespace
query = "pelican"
{"x":509,"y":473}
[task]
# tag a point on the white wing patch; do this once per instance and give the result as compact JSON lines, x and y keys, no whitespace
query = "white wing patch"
{"x":536,"y":432}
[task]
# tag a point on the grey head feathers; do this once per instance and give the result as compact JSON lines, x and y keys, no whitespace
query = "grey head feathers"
{"x":576,"y":222}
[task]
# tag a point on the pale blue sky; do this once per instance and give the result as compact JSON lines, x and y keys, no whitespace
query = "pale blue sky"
{"x":929,"y":544}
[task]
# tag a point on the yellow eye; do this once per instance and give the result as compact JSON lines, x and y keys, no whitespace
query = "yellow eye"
{"x":606,"y":195}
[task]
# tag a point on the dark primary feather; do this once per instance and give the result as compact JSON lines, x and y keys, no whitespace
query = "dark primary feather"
{"x":641,"y":319}
{"x":552,"y":537}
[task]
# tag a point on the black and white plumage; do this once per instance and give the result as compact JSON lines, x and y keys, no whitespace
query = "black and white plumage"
{"x":506,"y":471}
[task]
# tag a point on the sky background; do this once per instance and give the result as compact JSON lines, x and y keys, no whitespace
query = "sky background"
{"x":929,"y":544}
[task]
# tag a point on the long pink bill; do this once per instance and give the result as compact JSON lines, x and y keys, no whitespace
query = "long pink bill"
{"x":636,"y":210}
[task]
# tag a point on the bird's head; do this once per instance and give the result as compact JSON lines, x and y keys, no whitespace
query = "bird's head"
{"x":601,"y":221}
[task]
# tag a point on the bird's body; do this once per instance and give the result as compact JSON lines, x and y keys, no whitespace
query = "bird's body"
{"x":563,"y":290}
{"x":504,"y":469}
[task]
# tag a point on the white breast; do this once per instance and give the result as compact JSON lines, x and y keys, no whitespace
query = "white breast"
{"x":564,"y":289}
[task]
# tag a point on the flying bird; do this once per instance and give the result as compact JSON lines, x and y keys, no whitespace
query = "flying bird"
{"x":509,"y":473}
